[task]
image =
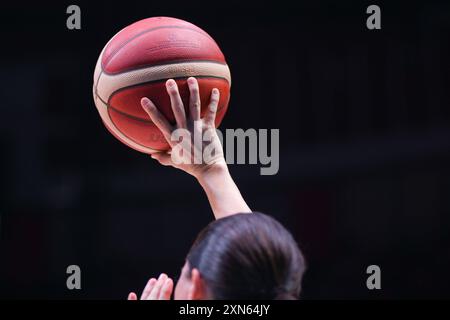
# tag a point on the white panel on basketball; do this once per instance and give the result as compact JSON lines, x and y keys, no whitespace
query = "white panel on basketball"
{"x":109,"y":83}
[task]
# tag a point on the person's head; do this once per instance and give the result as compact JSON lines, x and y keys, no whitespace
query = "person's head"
{"x":243,"y":256}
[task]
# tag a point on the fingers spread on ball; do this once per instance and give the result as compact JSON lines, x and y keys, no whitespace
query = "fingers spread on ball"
{"x":194,"y":99}
{"x":210,"y":116}
{"x":157,"y":117}
{"x":176,"y":102}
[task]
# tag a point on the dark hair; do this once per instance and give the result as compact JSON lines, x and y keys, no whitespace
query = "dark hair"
{"x":248,"y":256}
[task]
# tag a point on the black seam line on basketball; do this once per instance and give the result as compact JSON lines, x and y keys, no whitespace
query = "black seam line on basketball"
{"x":162,"y":64}
{"x":150,"y":30}
{"x":162,"y":80}
{"x":96,"y":84}
{"x":112,"y":122}
{"x":109,"y":116}
{"x":123,"y":113}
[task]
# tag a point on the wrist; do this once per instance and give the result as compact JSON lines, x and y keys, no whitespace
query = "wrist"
{"x":214,"y":170}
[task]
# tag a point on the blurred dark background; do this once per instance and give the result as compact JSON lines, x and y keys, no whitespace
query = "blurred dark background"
{"x":364,"y":123}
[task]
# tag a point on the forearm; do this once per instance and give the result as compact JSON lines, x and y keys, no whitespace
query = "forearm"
{"x":223,"y":194}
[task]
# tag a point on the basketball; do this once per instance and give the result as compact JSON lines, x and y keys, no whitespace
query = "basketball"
{"x":136,"y":63}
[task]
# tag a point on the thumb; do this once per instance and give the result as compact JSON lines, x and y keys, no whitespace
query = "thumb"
{"x":132,"y":296}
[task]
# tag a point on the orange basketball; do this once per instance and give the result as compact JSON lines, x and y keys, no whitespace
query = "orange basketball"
{"x":136,"y":63}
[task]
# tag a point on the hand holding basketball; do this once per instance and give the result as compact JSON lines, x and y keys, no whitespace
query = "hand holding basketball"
{"x":138,"y":61}
{"x":198,"y":135}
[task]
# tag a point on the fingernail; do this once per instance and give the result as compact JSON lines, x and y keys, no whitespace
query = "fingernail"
{"x":215,"y":91}
{"x":170,"y":82}
{"x":146,"y":103}
{"x":191,"y":80}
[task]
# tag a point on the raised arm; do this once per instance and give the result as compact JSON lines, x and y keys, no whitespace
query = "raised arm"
{"x":209,"y":168}
{"x":223,"y":194}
